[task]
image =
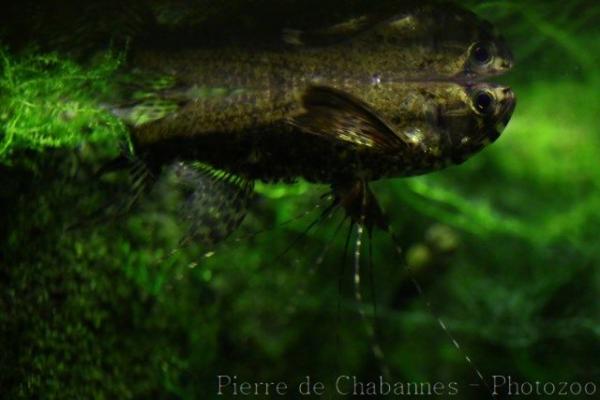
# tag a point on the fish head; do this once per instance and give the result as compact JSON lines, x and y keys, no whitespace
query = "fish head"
{"x":431,"y":41}
{"x":460,"y":43}
{"x":432,"y":125}
{"x":488,"y":55}
{"x":470,"y":117}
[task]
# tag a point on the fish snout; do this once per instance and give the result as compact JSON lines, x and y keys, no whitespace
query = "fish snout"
{"x":507,"y":102}
{"x":505,"y":59}
{"x":507,"y":64}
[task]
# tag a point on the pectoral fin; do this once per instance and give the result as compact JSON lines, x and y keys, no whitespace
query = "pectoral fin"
{"x":339,"y":116}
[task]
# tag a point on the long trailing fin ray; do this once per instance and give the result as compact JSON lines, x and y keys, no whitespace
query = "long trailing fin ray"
{"x":360,"y":227}
{"x":328,"y":197}
{"x":321,"y":257}
{"x":372,"y":279}
{"x":362,"y":207}
{"x":350,"y":197}
{"x":212,"y":250}
{"x":340,"y":280}
{"x":439,"y":320}
{"x":324,"y":214}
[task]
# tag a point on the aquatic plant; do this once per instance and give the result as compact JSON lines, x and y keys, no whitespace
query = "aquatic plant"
{"x":49,"y":101}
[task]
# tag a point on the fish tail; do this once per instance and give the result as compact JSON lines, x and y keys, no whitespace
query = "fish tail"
{"x":140,"y":97}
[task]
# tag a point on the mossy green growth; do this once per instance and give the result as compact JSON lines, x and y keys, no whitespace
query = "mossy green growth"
{"x":48,"y":101}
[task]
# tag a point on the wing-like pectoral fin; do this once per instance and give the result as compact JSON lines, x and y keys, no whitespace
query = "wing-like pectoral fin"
{"x":339,"y":116}
{"x":210,"y":204}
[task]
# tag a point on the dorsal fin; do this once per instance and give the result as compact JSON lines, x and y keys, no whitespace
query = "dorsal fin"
{"x":341,"y":32}
{"x":331,"y":35}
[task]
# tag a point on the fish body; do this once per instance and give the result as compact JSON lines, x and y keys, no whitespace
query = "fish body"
{"x":373,"y":97}
{"x":431,"y":125}
{"x":253,"y":111}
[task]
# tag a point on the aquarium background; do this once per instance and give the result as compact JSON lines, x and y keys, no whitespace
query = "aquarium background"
{"x":505,"y":246}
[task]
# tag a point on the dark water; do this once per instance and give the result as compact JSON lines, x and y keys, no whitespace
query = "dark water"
{"x":504,"y":246}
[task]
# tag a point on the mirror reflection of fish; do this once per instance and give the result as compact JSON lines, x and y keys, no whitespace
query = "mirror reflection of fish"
{"x":370,"y":98}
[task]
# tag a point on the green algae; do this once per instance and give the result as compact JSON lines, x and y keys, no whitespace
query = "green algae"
{"x":52,"y":102}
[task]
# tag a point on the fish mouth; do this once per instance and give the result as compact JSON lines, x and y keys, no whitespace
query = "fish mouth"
{"x":508,"y":58}
{"x":509,"y":103}
{"x":507,"y":64}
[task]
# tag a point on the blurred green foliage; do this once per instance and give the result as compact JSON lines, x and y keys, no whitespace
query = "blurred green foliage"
{"x":106,"y":311}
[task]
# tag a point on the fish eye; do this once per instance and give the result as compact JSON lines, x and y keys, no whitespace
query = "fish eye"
{"x":481,"y":53}
{"x":483,"y":102}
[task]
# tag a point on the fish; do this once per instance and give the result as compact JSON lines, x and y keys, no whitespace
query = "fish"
{"x":370,"y":98}
{"x":374,"y":97}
